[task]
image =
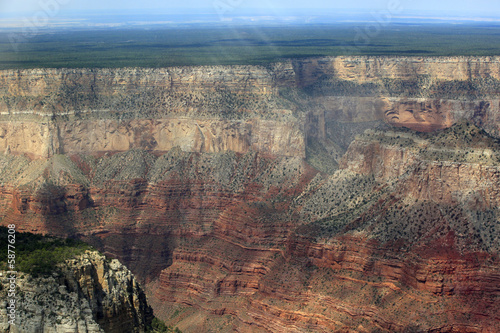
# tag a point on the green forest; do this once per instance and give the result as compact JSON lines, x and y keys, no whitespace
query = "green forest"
{"x":231,"y":45}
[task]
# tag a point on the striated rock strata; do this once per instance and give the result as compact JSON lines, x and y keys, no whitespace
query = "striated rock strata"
{"x":347,"y":194}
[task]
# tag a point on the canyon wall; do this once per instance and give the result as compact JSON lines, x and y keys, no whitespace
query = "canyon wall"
{"x":109,"y":135}
{"x":339,"y":194}
{"x":200,"y":109}
{"x":421,"y":93}
{"x":217,"y":108}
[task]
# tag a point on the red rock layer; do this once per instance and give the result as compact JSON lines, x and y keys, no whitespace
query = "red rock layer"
{"x":357,"y":285}
{"x":239,"y":251}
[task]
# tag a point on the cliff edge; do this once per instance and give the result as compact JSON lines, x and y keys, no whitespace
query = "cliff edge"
{"x":86,"y":294}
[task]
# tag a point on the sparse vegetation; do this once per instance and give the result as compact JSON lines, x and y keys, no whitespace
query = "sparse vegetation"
{"x":39,"y":255}
{"x":158,"y":326}
{"x":319,"y":157}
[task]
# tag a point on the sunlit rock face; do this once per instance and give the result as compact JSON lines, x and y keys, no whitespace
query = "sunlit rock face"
{"x":335,"y":194}
{"x":199,"y":109}
{"x":87,"y":294}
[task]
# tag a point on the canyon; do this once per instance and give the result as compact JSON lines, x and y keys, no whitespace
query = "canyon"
{"x":337,"y":194}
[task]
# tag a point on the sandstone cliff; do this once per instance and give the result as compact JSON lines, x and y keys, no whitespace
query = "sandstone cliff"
{"x":87,"y":294}
{"x":210,"y":109}
{"x":204,"y":109}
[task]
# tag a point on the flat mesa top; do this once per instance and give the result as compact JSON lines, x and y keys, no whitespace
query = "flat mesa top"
{"x":237,"y":45}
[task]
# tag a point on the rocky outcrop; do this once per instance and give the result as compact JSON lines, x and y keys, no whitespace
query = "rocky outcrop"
{"x":87,"y":294}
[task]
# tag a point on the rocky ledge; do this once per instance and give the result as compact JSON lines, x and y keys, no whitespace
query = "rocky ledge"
{"x":88,"y":294}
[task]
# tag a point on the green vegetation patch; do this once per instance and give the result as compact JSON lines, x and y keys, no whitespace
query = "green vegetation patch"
{"x":464,"y":134}
{"x":158,"y":326}
{"x":471,"y":89}
{"x":37,"y":254}
{"x":335,"y":87}
{"x":418,"y":87}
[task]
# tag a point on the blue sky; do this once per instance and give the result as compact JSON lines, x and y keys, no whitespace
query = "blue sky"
{"x":465,"y":7}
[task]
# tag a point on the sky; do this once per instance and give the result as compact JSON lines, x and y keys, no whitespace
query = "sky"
{"x":486,"y":8}
{"x":465,"y":6}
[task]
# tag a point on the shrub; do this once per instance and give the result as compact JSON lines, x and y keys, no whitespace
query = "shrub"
{"x":39,"y":255}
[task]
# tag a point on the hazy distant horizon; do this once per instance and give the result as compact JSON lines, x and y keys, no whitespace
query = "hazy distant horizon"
{"x":60,"y":16}
{"x":464,"y":6}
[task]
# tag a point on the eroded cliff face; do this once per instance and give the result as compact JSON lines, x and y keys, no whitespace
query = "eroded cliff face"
{"x":87,"y":294}
{"x":206,"y":182}
{"x":423,"y":94}
{"x":45,"y":140}
{"x":200,"y":109}
{"x":207,"y":109}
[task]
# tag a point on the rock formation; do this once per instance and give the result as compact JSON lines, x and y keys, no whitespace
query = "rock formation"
{"x":87,"y":294}
{"x":349,"y":194}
